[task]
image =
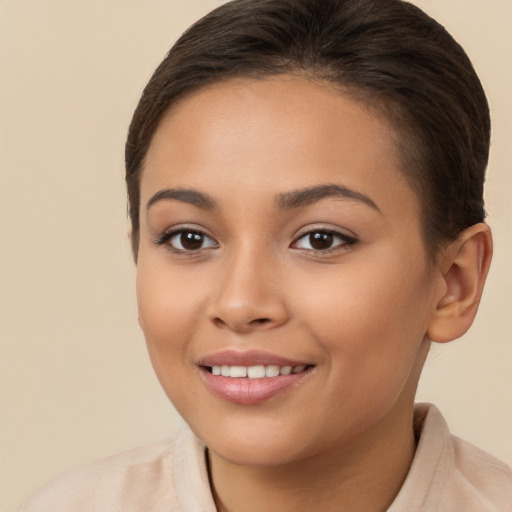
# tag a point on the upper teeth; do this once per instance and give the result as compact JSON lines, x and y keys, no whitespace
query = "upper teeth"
{"x":256,"y":372}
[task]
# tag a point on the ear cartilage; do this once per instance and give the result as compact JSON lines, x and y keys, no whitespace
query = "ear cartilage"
{"x":447,"y":299}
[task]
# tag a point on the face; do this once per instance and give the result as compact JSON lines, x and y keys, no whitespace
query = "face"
{"x":280,"y":246}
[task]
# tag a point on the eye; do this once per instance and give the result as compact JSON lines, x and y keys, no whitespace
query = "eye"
{"x":187,"y":240}
{"x":322,"y":240}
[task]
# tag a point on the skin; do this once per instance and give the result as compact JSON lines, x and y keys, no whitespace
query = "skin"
{"x":359,"y":312}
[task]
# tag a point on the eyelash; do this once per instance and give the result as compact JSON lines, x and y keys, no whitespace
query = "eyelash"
{"x":344,"y":240}
{"x":165,"y":238}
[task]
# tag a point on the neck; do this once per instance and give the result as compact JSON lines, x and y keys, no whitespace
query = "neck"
{"x":365,"y":476}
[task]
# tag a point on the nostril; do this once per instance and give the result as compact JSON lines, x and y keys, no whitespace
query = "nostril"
{"x":219,"y":322}
{"x":259,"y":321}
{"x":242,"y":325}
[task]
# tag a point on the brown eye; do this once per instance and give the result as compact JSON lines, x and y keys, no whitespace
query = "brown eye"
{"x":323,"y":240}
{"x":190,"y":241}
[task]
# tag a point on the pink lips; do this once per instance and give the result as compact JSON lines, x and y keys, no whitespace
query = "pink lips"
{"x":248,"y":391}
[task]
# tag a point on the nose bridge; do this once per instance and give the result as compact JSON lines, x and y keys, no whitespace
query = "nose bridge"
{"x":249,"y":295}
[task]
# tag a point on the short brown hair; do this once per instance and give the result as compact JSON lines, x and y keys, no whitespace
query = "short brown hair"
{"x":388,"y":53}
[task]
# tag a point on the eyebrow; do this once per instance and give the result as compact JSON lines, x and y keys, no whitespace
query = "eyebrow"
{"x":284,"y":201}
{"x":186,"y":195}
{"x":310,"y":195}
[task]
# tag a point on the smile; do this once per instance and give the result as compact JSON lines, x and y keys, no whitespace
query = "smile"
{"x":254,"y":384}
{"x":255,"y":372}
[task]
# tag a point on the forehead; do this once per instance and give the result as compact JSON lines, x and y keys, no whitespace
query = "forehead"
{"x":277,"y":133}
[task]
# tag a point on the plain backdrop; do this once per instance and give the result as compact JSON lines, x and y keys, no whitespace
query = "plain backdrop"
{"x":75,"y":380}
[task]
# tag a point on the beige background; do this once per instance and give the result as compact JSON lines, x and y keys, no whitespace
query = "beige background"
{"x":75,"y":380}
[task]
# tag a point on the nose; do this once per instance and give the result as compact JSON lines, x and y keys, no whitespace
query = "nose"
{"x":249,"y":296}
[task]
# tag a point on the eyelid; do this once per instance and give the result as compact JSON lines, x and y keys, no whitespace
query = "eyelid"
{"x":170,"y":233}
{"x":346,"y":240}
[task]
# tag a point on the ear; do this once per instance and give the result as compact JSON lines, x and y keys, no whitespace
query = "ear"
{"x":464,"y":265}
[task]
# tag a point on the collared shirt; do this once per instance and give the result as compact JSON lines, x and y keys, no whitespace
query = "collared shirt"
{"x":447,"y":475}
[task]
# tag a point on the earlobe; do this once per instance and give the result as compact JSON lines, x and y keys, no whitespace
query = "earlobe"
{"x":465,"y":266}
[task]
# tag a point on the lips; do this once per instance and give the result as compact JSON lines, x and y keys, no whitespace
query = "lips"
{"x":250,"y":378}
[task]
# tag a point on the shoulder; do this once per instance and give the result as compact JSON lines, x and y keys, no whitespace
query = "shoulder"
{"x":481,"y":477}
{"x":139,"y":479}
{"x":451,"y":475}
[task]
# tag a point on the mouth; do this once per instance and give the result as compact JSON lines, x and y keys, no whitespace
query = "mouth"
{"x":255,"y":372}
{"x":251,"y":378}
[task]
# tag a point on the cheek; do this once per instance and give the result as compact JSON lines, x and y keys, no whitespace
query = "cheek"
{"x":167,"y":308}
{"x":368,"y":313}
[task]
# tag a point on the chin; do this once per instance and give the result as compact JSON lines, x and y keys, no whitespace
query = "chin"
{"x":255,"y":455}
{"x":260,"y":444}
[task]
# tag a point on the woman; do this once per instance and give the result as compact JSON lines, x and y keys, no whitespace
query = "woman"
{"x":305,"y":184}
